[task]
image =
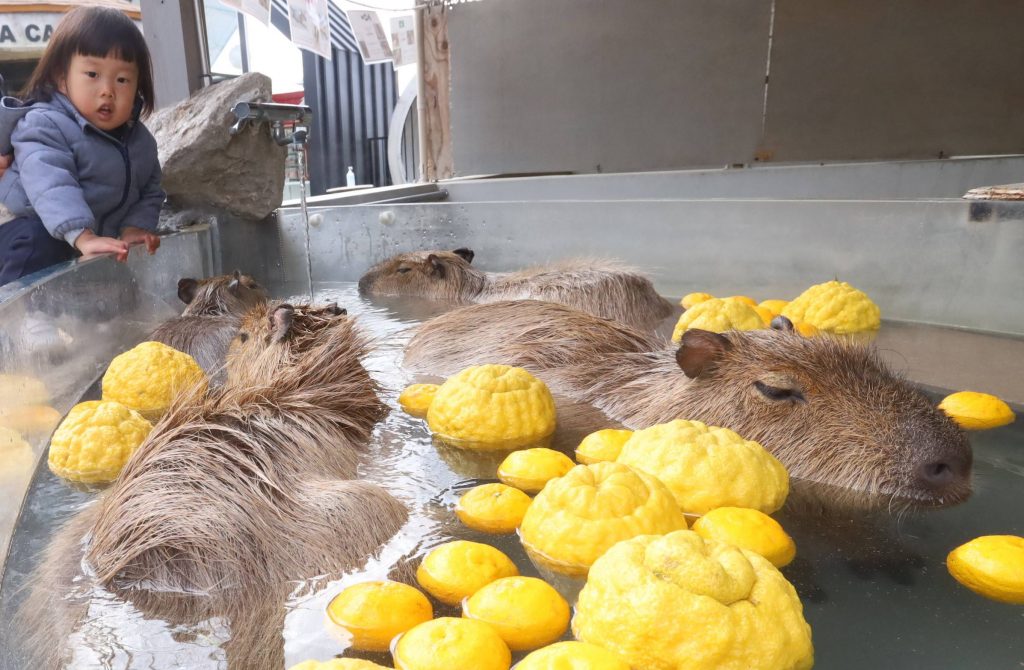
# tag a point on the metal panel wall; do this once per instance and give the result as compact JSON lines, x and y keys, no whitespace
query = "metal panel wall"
{"x":877,"y":79}
{"x":352,"y":105}
{"x":946,"y":262}
{"x":607,"y":86}
{"x":604,"y":85}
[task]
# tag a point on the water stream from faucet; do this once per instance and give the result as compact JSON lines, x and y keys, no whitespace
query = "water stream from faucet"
{"x":301,"y":155}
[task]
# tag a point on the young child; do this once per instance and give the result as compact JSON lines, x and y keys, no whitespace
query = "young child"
{"x":85,"y":174}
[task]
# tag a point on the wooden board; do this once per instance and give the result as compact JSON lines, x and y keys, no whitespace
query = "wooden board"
{"x":434,"y":100}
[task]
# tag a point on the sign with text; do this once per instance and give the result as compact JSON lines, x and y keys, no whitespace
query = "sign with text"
{"x":310,"y":26}
{"x":403,"y":40}
{"x":257,"y":9}
{"x":27,"y":32}
{"x":374,"y":45}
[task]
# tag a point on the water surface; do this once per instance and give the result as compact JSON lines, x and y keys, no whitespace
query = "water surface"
{"x":874,"y":587}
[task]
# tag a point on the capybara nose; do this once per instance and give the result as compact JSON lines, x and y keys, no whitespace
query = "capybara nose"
{"x":941,"y":473}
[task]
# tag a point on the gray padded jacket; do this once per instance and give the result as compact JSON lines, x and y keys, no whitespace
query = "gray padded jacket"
{"x":74,"y":176}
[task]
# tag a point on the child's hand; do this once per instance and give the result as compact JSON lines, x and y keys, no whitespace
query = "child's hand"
{"x":5,"y":162}
{"x":133,"y":235}
{"x":91,"y":244}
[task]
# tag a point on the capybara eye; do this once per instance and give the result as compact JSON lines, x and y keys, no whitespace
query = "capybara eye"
{"x":778,"y":393}
{"x":243,"y":337}
{"x":402,"y":271}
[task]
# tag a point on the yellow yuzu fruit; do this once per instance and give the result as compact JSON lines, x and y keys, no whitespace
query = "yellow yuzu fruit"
{"x":530,"y":469}
{"x":775,"y":307}
{"x":18,"y":390}
{"x":806,"y":329}
{"x":602,"y":445}
{"x":416,"y":399}
{"x":977,"y":411}
{"x":449,"y":643}
{"x":746,"y":300}
{"x":992,"y":566}
{"x":527,"y":612}
{"x":458,"y":569}
{"x":95,"y":440}
{"x":691,"y":299}
{"x":492,"y":407}
{"x":707,"y":466}
{"x":572,"y":656}
{"x":748,"y":529}
{"x":375,"y":612}
{"x":16,"y":457}
{"x":339,"y":664}
{"x":492,"y":508}
{"x":681,"y":601}
{"x":147,"y":377}
{"x":578,"y":516}
{"x":29,"y":419}
{"x":835,"y":307}
{"x":718,"y":316}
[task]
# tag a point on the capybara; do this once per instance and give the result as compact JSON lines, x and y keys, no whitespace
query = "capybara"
{"x":242,"y":487}
{"x":235,"y":293}
{"x":829,"y":409}
{"x":213,"y":311}
{"x":600,"y":287}
{"x":238,"y":491}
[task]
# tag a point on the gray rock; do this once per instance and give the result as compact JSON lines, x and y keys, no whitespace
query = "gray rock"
{"x":174,"y":220}
{"x":205,"y":166}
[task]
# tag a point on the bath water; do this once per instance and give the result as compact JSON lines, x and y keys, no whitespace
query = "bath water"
{"x":874,"y":586}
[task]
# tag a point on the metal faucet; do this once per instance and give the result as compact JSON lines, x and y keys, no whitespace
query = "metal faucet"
{"x":276,"y":114}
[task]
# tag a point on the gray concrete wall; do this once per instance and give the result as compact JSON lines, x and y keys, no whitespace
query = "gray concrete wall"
{"x":607,"y":86}
{"x":946,"y":178}
{"x":943,"y":262}
{"x":603,"y":85}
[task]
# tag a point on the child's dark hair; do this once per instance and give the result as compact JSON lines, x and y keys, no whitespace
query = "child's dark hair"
{"x":92,"y":31}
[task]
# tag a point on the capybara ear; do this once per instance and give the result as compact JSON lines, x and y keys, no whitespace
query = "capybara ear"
{"x":467,"y":254}
{"x":436,"y":265}
{"x":187,"y":289}
{"x":281,"y":322}
{"x":236,"y":279}
{"x":700,"y":350}
{"x":782,"y":323}
{"x":335,"y":310}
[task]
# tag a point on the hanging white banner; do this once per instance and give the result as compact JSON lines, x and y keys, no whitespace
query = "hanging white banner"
{"x":374,"y":44}
{"x":309,"y":26}
{"x":403,"y":39}
{"x":257,"y":9}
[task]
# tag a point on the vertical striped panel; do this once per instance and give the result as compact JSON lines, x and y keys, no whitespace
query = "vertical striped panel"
{"x":352,"y":104}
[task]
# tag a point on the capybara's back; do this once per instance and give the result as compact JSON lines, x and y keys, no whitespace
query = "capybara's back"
{"x":601,"y":287}
{"x":537,"y":335}
{"x":235,"y":489}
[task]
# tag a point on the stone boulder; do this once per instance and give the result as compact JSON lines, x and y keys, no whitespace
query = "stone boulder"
{"x":205,"y":166}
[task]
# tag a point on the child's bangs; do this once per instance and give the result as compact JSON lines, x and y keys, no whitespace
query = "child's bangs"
{"x":108,"y":39}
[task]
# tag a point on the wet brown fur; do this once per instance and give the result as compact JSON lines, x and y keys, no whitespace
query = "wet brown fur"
{"x":237,"y":492}
{"x":267,"y":448}
{"x":601,"y":287}
{"x":855,"y":424}
{"x":234,"y":293}
{"x":213,"y":310}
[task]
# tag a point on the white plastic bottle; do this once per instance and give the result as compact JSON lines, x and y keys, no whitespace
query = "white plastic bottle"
{"x":350,"y":177}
